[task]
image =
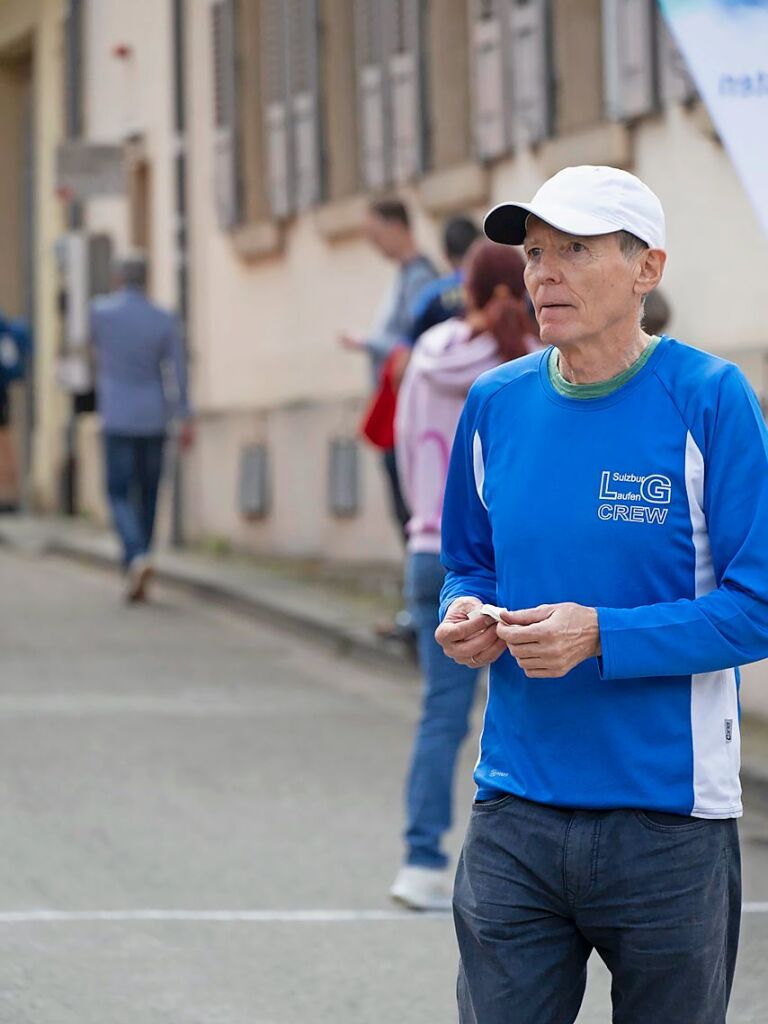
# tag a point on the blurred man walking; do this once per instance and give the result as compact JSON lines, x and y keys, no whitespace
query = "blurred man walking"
{"x":141,"y":384}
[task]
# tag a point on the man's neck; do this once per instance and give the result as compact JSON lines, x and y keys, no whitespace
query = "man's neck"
{"x":598,"y":360}
{"x":408,"y":253}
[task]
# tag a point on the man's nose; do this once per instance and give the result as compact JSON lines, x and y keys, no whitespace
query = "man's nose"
{"x":547,"y":269}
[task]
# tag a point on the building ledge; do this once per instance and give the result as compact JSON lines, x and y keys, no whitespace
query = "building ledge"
{"x":258,"y":240}
{"x":341,"y":218}
{"x":608,"y":144}
{"x":455,"y":189}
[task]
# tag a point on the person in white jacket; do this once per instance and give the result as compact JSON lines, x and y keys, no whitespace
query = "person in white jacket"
{"x":445,"y":363}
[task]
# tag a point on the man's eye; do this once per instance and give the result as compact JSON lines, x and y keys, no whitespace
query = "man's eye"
{"x":578,"y":247}
{"x":533,"y":253}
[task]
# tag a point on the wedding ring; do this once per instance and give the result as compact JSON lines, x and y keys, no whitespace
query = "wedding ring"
{"x":472,"y":659}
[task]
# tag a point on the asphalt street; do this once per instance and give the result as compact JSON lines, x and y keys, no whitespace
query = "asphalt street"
{"x":201,"y":817}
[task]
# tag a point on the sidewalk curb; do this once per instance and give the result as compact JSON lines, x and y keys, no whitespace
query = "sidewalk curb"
{"x":344,"y":642}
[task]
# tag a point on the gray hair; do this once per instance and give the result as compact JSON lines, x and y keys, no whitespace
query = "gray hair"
{"x":631,"y":246}
{"x":132,"y":270}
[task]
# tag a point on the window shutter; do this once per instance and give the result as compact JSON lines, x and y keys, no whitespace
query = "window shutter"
{"x":675,"y":82}
{"x":303,"y":38}
{"x":226,"y":183}
{"x":530,"y":70}
{"x":488,"y":117}
{"x":405,"y":82}
{"x":372,"y":106}
{"x":274,"y":33}
{"x":628,"y":34}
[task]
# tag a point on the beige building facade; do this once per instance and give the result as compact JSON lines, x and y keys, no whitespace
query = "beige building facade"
{"x":31,"y":219}
{"x":295,"y":114}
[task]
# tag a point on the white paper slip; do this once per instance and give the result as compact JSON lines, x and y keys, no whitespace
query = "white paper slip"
{"x":487,"y":609}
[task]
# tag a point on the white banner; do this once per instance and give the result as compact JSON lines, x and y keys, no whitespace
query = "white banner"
{"x":725,"y":45}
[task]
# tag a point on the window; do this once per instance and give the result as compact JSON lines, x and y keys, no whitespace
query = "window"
{"x":226,"y":162}
{"x":675,"y":82}
{"x":512,"y":67}
{"x":629,"y":58}
{"x":577,"y":31}
{"x":290,"y":70}
{"x":390,"y":86}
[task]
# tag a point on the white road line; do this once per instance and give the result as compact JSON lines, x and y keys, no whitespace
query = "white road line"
{"x":257,"y":916}
{"x":253,"y":916}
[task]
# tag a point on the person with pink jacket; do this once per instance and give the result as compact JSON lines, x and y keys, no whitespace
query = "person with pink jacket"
{"x":446,"y":361}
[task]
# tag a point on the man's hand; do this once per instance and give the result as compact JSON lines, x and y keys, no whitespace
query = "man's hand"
{"x":186,"y":434}
{"x":468,"y":641}
{"x":351,"y":342}
{"x":548,"y":641}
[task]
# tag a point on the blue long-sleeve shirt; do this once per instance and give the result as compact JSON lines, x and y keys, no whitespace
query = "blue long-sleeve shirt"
{"x":650,"y":504}
{"x":141,"y":377}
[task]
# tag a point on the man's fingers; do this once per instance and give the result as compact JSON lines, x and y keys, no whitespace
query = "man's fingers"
{"x":482,"y":658}
{"x":477,"y":647}
{"x":527,"y":616}
{"x":532,"y":634}
{"x":458,"y":632}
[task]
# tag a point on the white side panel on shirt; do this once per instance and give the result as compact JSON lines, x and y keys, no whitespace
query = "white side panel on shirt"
{"x":714,"y":702}
{"x":479,"y":467}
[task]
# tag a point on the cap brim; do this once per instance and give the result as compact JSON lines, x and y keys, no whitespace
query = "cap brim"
{"x":505,"y":223}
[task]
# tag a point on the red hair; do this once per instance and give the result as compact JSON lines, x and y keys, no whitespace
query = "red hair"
{"x":489,"y":266}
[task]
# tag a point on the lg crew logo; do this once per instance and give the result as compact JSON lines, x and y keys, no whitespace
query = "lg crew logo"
{"x":629,"y":498}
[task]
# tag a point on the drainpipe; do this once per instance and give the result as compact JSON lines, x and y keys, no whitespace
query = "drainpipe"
{"x":73,"y":125}
{"x":181,"y":240}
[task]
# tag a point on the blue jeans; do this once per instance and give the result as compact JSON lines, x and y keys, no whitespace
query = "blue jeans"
{"x":538,"y":888}
{"x":448,"y":692}
{"x":133,"y":469}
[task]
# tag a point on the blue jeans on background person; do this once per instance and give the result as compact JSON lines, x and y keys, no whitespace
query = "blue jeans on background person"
{"x":133,"y":469}
{"x":658,"y":896}
{"x":448,"y":692}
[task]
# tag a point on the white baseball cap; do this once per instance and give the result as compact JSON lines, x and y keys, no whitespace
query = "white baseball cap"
{"x":584,"y":201}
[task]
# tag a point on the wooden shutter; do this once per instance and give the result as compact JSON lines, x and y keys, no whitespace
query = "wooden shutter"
{"x":405,"y":84}
{"x":530,"y":56}
{"x":274,"y":54}
{"x":303,"y":87}
{"x":675,"y":82}
{"x":628,"y":35}
{"x":226,"y":178}
{"x":488,"y":80}
{"x":373,"y":111}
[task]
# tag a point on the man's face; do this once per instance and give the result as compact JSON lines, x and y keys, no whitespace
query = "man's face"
{"x":384,"y":235}
{"x":580,"y":287}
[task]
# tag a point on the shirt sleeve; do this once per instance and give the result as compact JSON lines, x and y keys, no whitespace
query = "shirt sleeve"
{"x":728,"y":625}
{"x":467,"y":545}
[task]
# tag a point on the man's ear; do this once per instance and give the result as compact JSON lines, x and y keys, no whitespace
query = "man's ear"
{"x":650,"y":268}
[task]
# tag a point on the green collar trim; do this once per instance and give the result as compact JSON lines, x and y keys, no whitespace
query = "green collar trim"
{"x":601,"y":388}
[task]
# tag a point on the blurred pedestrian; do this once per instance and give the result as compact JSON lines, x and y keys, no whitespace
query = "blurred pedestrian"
{"x":141,"y":384}
{"x":444,"y":298}
{"x":610,"y":497}
{"x":15,"y":355}
{"x":388,"y":228}
{"x":445,"y":363}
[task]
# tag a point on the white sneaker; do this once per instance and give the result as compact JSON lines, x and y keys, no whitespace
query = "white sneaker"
{"x":423,"y":888}
{"x":139,"y":574}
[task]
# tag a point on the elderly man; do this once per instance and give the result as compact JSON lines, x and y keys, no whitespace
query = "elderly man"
{"x":611,"y":495}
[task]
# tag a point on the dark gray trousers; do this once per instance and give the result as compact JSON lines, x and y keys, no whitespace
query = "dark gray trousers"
{"x":658,"y":896}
